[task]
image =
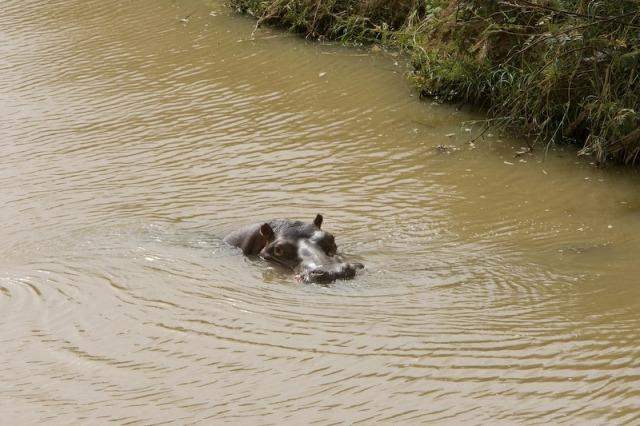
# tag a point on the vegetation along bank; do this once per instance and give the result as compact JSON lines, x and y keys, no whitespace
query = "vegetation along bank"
{"x":556,"y":70}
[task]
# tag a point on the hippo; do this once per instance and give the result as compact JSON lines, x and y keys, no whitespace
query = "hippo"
{"x":301,"y":247}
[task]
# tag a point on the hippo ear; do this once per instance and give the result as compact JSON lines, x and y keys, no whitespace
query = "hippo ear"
{"x":267,"y":232}
{"x":318,"y":220}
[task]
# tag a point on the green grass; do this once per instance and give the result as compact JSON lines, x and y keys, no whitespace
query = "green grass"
{"x":557,"y":71}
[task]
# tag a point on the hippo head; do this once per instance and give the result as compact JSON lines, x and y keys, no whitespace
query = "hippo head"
{"x":317,"y":266}
{"x":309,"y":251}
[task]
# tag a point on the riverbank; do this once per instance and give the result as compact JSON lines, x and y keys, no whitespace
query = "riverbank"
{"x":556,"y":71}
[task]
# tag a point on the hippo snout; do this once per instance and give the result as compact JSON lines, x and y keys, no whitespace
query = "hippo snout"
{"x":321,"y":275}
{"x":357,"y":266}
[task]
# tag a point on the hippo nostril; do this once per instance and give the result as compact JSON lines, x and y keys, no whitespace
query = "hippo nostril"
{"x":318,"y":276}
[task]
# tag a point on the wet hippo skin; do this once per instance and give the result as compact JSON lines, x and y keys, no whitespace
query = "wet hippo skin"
{"x":301,"y":247}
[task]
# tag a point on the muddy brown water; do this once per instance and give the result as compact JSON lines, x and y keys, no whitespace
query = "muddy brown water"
{"x":498,"y":289}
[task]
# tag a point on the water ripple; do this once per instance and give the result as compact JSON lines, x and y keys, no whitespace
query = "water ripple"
{"x":497,"y":289}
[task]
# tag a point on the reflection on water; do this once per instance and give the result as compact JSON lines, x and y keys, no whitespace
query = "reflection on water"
{"x":497,"y":287}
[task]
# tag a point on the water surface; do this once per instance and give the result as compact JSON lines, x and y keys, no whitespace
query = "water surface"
{"x":499,"y":288}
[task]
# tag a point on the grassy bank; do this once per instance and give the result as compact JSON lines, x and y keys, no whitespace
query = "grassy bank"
{"x":557,"y":71}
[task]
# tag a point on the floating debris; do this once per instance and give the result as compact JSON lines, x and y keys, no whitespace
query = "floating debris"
{"x":186,"y":19}
{"x":446,"y":149}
